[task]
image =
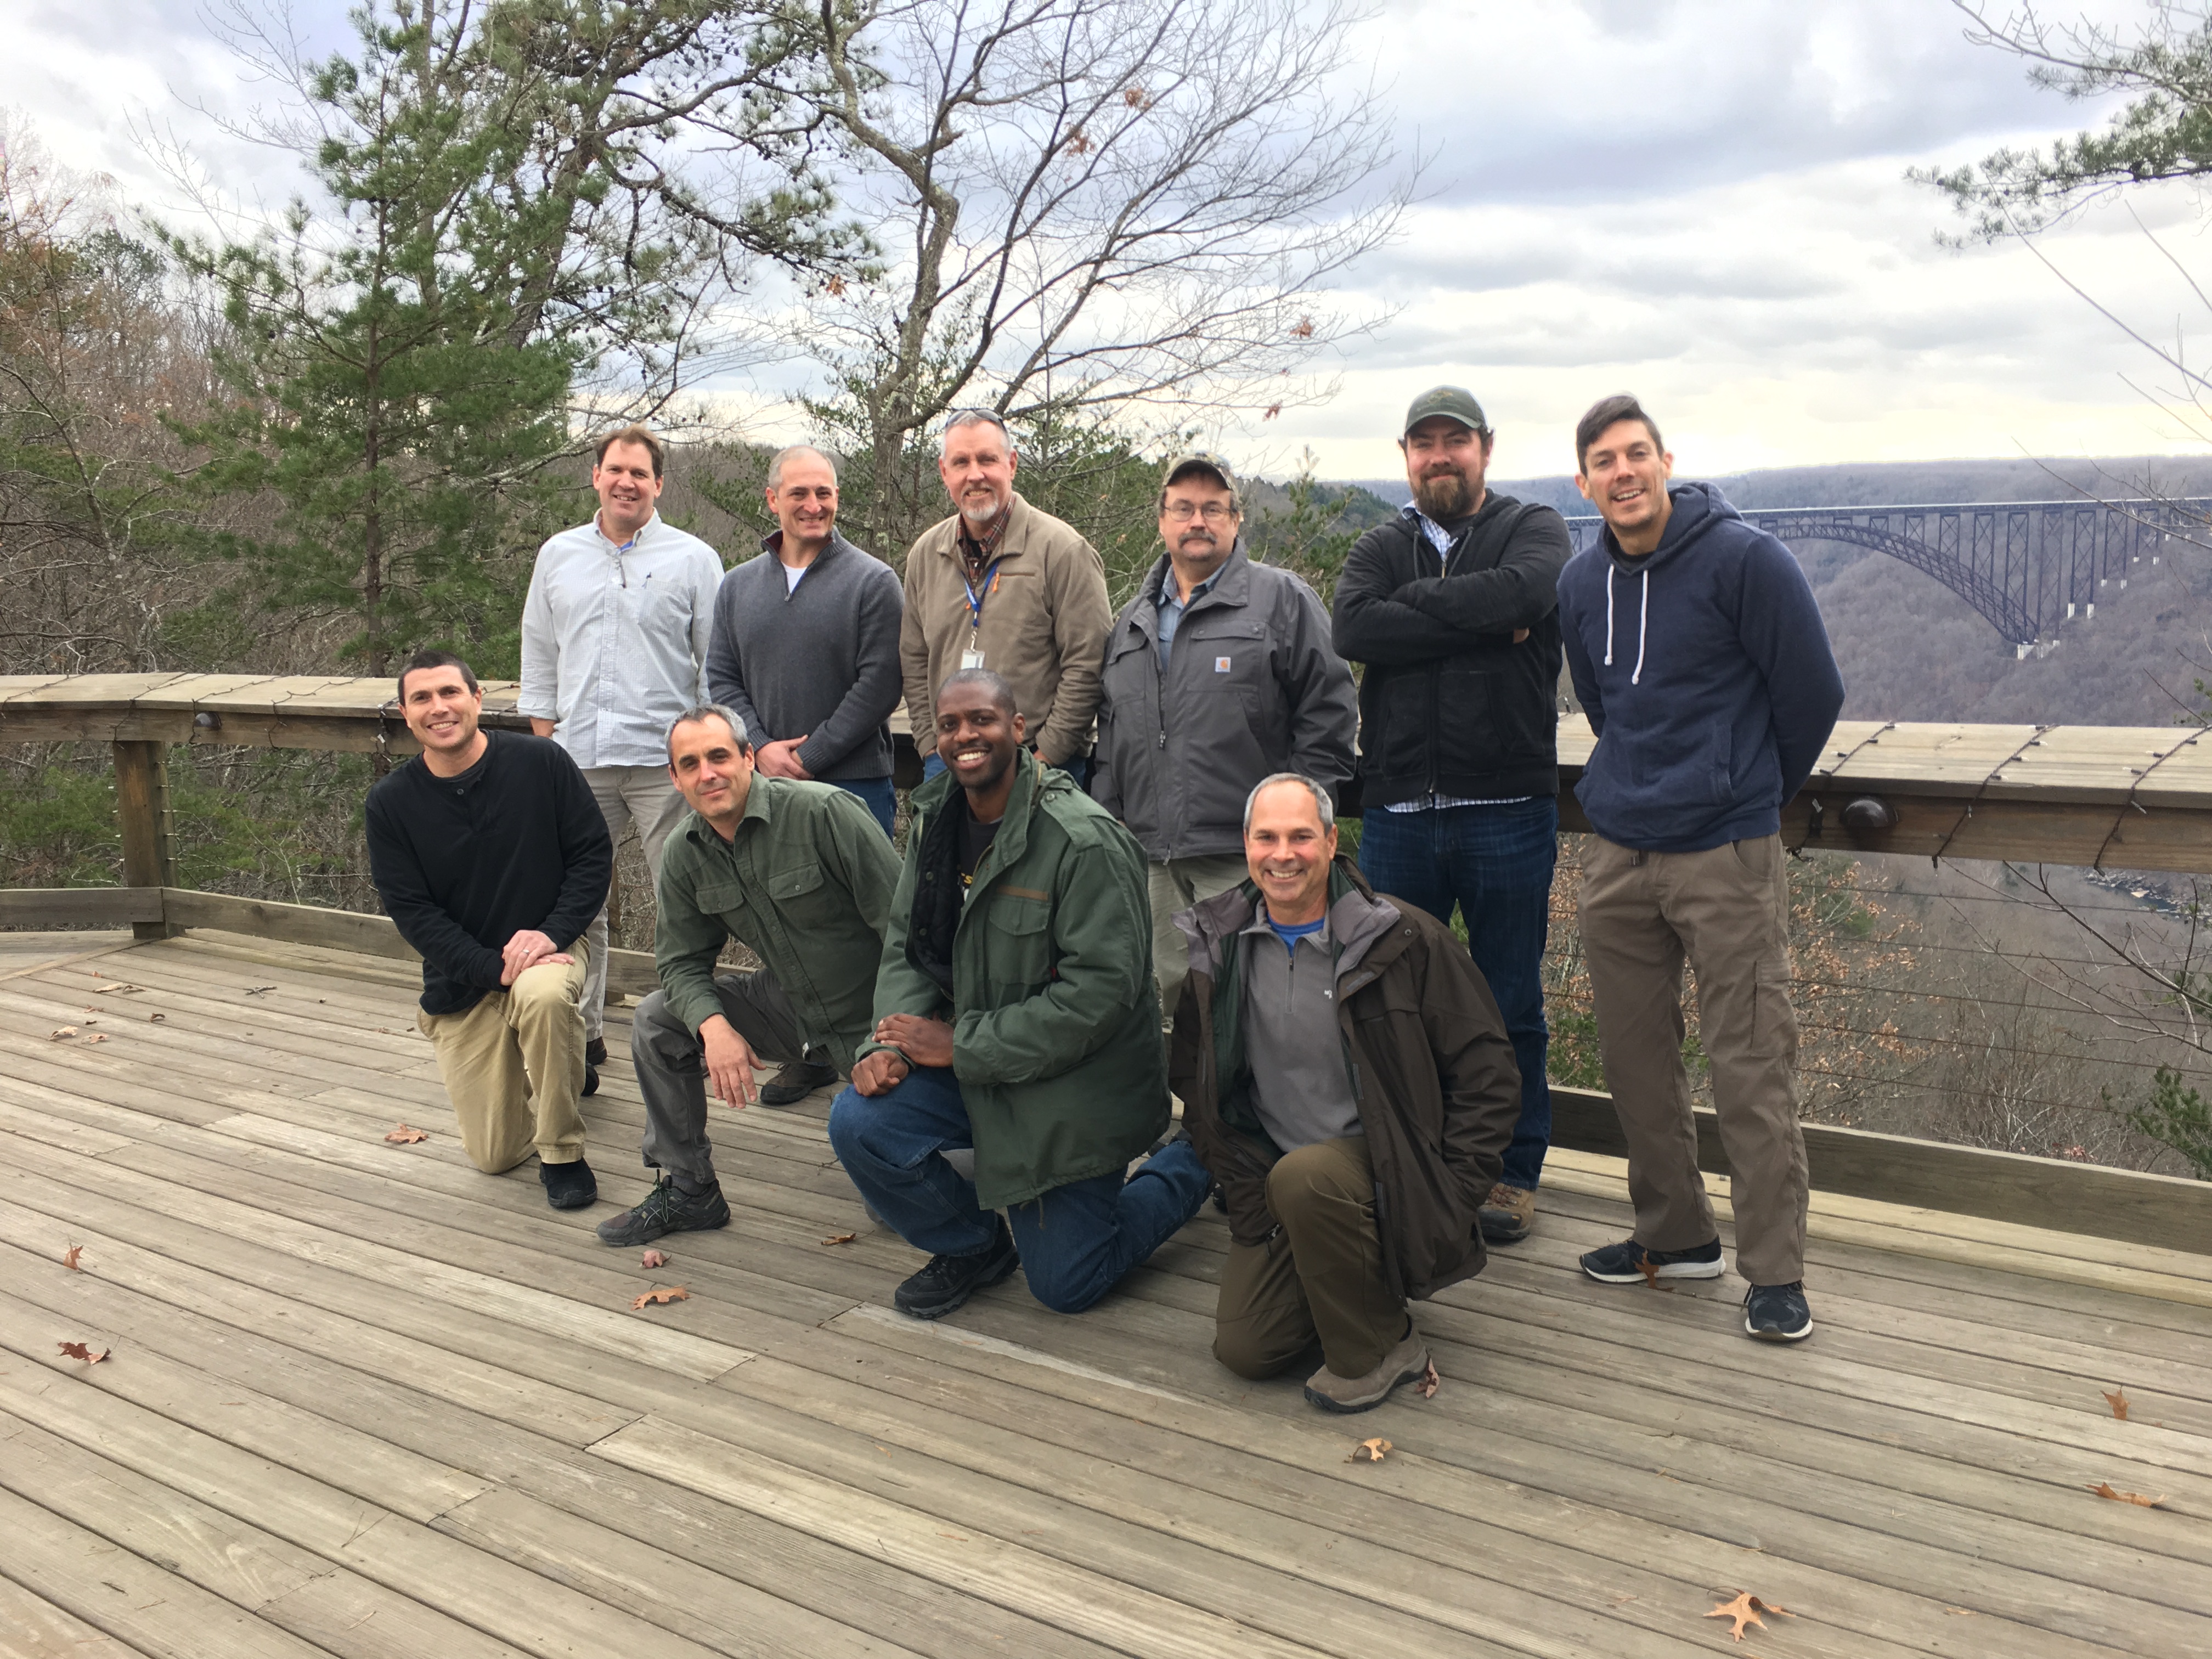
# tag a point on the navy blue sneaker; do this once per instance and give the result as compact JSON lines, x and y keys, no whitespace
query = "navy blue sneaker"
{"x":1777,"y":1313}
{"x":1620,"y":1264}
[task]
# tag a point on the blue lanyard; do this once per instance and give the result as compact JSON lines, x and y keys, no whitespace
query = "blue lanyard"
{"x":975,"y":600}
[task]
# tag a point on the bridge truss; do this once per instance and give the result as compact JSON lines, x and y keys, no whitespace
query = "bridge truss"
{"x":2026,"y":565}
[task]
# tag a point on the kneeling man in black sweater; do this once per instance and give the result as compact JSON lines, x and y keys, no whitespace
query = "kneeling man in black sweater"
{"x":490,"y":854}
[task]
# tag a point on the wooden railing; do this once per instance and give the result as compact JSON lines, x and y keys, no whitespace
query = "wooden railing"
{"x":2129,"y":797}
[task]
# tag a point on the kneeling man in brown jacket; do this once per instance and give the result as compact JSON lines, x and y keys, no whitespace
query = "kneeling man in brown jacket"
{"x":1346,"y":1078}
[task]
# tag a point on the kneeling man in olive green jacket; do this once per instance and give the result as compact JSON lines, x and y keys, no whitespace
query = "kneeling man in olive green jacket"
{"x":1015,"y":1015}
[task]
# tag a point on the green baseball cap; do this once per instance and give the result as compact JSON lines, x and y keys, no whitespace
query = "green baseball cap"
{"x":1453,"y":403}
{"x":1193,"y":460}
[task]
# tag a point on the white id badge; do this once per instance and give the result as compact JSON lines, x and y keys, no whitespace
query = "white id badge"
{"x":971,"y":657}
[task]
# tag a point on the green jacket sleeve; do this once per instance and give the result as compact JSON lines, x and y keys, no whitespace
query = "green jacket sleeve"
{"x":685,"y":942}
{"x":902,"y":988}
{"x":1102,"y":930}
{"x":852,"y":839}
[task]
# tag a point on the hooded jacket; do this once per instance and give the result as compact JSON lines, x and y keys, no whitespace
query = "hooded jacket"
{"x":1451,"y":704}
{"x":1250,"y":688}
{"x":1056,"y":1017}
{"x":1706,"y":675}
{"x":1430,"y":1067}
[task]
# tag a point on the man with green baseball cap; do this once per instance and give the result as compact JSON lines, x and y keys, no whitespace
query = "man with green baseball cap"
{"x":1218,"y":673}
{"x":1453,"y":606}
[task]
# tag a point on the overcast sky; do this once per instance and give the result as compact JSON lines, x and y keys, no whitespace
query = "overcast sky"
{"x":1701,"y":201}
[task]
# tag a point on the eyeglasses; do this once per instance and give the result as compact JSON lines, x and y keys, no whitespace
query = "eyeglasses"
{"x":1184,"y":512}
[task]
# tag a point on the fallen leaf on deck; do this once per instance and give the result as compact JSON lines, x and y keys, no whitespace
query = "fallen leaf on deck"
{"x":78,"y":1351}
{"x":157,"y":1017}
{"x":1745,"y":1610}
{"x":62,"y":1032}
{"x":653,"y":1259}
{"x":1649,"y":1269}
{"x":256,"y":990}
{"x":840,"y":1238}
{"x":121,"y":990}
{"x":2104,"y":1489}
{"x":674,"y":1293}
{"x":2117,"y":1399}
{"x":404,"y":1136}
{"x":1368,"y":1451}
{"x":95,"y":1036}
{"x":1430,"y":1382}
{"x":70,"y":1256}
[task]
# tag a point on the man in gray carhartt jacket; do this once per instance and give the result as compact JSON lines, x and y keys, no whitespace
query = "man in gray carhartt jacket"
{"x":1217,"y":674}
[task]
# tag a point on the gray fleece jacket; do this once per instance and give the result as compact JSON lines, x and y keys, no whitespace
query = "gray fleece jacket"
{"x":819,"y":661}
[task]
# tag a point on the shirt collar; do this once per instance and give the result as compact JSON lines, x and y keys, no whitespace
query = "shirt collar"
{"x":643,"y":531}
{"x":1167,"y":594}
{"x":1259,"y":924}
{"x":1438,"y":536}
{"x":980,"y":548}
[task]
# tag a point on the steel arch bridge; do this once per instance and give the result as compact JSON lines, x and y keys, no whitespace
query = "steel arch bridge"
{"x":2026,"y":566}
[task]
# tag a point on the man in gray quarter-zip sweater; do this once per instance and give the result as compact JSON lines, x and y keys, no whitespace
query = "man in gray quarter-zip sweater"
{"x":805,"y":648}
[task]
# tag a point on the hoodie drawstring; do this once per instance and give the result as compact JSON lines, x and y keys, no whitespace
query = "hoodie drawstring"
{"x":1643,"y":618}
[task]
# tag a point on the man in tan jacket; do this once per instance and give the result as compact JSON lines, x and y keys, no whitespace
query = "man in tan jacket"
{"x":1001,"y":585}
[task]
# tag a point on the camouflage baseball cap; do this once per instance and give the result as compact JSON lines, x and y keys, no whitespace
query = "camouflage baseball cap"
{"x":1453,"y":403}
{"x":1197,"y":459}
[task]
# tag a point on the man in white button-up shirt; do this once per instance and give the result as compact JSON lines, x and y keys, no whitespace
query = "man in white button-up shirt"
{"x":614,"y":647}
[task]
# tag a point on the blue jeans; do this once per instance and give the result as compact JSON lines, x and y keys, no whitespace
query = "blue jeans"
{"x":881,"y":798}
{"x":1078,"y":768}
{"x":1076,"y":1241}
{"x":1495,"y":863}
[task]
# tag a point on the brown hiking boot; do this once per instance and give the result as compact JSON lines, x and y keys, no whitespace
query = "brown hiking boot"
{"x":1406,"y":1363}
{"x":1507,"y":1214}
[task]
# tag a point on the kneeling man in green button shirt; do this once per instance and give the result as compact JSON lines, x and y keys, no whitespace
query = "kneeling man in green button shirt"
{"x":800,"y":874}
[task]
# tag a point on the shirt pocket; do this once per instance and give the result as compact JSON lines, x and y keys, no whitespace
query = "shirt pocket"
{"x":719,"y":898}
{"x":1227,"y":656}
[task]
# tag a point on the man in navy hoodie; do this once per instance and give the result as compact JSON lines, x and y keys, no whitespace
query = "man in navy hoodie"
{"x":1698,"y":654}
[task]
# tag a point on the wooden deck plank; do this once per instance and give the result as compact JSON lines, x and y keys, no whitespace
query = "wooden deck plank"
{"x":32,"y":1627}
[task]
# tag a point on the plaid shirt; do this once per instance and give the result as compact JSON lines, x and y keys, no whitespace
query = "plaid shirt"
{"x":977,"y":552}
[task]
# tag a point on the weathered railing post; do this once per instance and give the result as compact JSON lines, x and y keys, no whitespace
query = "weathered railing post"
{"x":142,"y":807}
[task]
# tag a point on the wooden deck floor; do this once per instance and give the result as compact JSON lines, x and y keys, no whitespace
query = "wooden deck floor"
{"x":365,"y":1401}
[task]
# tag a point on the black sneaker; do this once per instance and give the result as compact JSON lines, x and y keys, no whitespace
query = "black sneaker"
{"x":591,"y":1080}
{"x":949,"y":1280}
{"x":595,"y":1052}
{"x":1618,"y":1264}
{"x":1777,"y":1313}
{"x":569,"y":1186}
{"x":796,"y":1082}
{"x":667,"y":1209}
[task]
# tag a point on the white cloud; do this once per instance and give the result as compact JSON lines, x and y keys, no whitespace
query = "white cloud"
{"x":1704,"y":202}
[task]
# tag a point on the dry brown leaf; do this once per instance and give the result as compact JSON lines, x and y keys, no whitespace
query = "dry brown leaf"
{"x":405,"y":1136}
{"x":62,"y":1032}
{"x":673,"y":1293}
{"x":1745,"y":1610}
{"x":1368,"y":1451}
{"x":95,"y":1036}
{"x":157,"y":1018}
{"x":653,"y":1259}
{"x":840,"y":1238}
{"x":78,"y":1351}
{"x":2104,"y":1489}
{"x":1430,"y":1382}
{"x":70,"y":1256}
{"x":2117,"y":1399}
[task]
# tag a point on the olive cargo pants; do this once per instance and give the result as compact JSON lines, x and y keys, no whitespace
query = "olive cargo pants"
{"x":1726,"y":912}
{"x":1320,"y":1274}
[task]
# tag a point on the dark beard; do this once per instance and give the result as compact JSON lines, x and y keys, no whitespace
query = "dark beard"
{"x":1445,"y":496}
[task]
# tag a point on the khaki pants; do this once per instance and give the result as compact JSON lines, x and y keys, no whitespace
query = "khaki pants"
{"x":1320,"y":1275}
{"x":513,"y":1065}
{"x":627,"y":794}
{"x":1727,"y":911}
{"x":1176,"y":884}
